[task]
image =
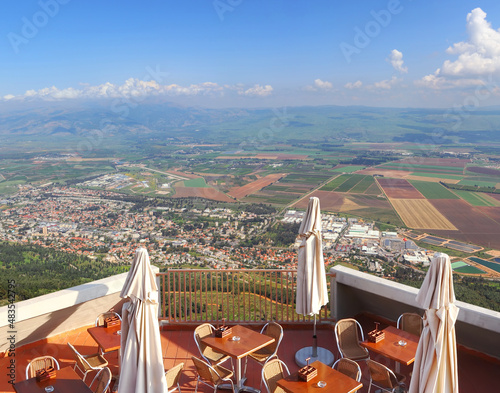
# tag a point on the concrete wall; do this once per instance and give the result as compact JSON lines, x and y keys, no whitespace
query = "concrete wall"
{"x":353,"y":292}
{"x":61,"y":311}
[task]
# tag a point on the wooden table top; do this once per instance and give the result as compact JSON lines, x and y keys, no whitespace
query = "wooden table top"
{"x":250,"y":341}
{"x":390,"y":348}
{"x":336,"y":382}
{"x":107,"y":338}
{"x":66,"y":381}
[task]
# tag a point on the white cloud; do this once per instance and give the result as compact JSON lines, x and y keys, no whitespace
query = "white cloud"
{"x":319,"y":85}
{"x":353,"y":85}
{"x":135,"y":88}
{"x":258,"y":90}
{"x":478,"y":56}
{"x":385,"y":84}
{"x":396,"y":60}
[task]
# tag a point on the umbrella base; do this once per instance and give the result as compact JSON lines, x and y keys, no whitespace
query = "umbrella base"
{"x":324,"y":356}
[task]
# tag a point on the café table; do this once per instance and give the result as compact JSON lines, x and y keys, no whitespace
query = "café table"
{"x":336,"y":382}
{"x":391,"y":347}
{"x":250,"y":341}
{"x":66,"y":381}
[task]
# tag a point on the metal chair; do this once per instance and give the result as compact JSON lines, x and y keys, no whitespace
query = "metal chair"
{"x":88,"y":363}
{"x":40,"y":363}
{"x":273,"y":371}
{"x":263,"y":355}
{"x":213,"y":375}
{"x":348,"y":367}
{"x":172,"y":376}
{"x":206,"y":352}
{"x":103,"y":380}
{"x":347,"y":333}
{"x":411,"y":323}
{"x":384,"y":378}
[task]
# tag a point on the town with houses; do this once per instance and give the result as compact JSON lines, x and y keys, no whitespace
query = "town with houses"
{"x":96,"y":223}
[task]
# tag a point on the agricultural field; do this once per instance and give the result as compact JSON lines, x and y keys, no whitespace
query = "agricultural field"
{"x":432,"y":190}
{"x":251,"y":188}
{"x":477,"y":198}
{"x":437,"y":176}
{"x":490,"y":265}
{"x":476,"y":183}
{"x":420,"y":214}
{"x":475,"y":225}
{"x":409,"y":167}
{"x":398,"y":189}
{"x":332,"y":185}
{"x":201,"y":192}
{"x":199,"y":182}
{"x":462,"y":267}
{"x":348,"y":168}
{"x":364,"y":185}
{"x":349,"y":183}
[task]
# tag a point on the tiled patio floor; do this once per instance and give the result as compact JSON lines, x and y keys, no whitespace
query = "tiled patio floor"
{"x":476,"y":374}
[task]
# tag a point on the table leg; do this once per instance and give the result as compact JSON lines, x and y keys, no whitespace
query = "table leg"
{"x":397,"y":367}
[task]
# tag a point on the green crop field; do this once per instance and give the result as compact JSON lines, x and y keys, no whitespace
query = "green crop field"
{"x":469,"y":270}
{"x":424,"y":168}
{"x":492,"y":265}
{"x":348,"y":169}
{"x":363,"y":185}
{"x":432,"y":190}
{"x":474,"y":198}
{"x":198,"y":182}
{"x":349,"y":183}
{"x":438,"y":175}
{"x":472,"y":182}
{"x":456,"y":265}
{"x":335,"y":183}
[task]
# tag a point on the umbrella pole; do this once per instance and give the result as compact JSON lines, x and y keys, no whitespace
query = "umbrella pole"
{"x":315,"y":340}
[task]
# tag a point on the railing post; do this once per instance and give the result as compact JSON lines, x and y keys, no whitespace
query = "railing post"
{"x":333,"y":295}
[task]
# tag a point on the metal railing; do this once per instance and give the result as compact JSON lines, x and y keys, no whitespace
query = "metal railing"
{"x":240,"y":296}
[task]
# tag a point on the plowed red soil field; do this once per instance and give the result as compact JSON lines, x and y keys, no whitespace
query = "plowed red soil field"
{"x":253,"y":187}
{"x":477,"y":225}
{"x":399,"y":189}
{"x":201,"y":192}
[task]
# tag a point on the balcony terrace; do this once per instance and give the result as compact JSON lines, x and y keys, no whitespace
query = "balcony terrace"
{"x":46,"y":324}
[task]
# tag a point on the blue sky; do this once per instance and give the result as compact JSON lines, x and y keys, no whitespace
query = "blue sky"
{"x":253,"y":52}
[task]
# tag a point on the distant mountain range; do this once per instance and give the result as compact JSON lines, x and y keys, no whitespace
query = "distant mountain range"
{"x":128,"y":118}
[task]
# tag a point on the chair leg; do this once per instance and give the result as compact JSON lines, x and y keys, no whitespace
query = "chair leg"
{"x":197,"y":382}
{"x":370,"y":386}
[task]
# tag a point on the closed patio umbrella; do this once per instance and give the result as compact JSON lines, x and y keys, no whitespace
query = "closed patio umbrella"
{"x":435,"y":367}
{"x":312,"y":292}
{"x":142,"y":361}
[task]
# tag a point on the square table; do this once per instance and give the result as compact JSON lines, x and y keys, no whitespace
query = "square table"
{"x":109,"y":339}
{"x":336,"y":382}
{"x":390,"y":348}
{"x":250,"y":341}
{"x":66,"y":381}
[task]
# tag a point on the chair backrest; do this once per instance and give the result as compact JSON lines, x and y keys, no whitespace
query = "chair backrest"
{"x":173,"y":375}
{"x":100,"y":319}
{"x":274,"y":330}
{"x":202,"y":331}
{"x":381,"y":375}
{"x":348,"y":367}
{"x":81,"y":362}
{"x":206,"y":371}
{"x":103,"y":378}
{"x":272,"y":372}
{"x":411,"y":323}
{"x":347,"y":333}
{"x":40,"y":363}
